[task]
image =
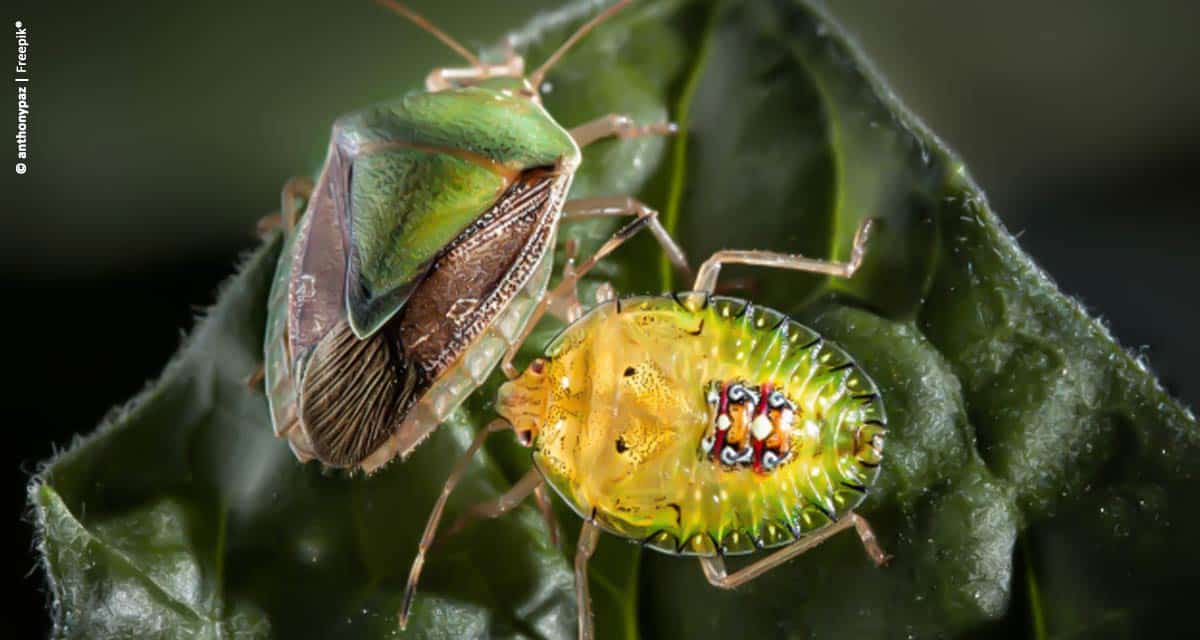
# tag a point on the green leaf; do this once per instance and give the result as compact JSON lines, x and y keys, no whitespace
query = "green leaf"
{"x":1037,"y":479}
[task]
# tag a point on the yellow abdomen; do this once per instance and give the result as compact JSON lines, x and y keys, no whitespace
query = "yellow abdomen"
{"x":697,"y":424}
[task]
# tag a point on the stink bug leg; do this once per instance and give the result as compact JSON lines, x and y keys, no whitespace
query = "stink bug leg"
{"x":706,"y":279}
{"x":435,"y":517}
{"x":714,"y":566}
{"x":566,"y":288}
{"x":587,"y":208}
{"x":449,"y":77}
{"x":619,"y":125}
{"x":589,"y":535}
{"x":292,"y":199}
{"x":547,"y":508}
{"x":529,"y":483}
{"x":566,"y":306}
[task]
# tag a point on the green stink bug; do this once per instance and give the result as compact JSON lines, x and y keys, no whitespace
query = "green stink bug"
{"x":426,"y":242}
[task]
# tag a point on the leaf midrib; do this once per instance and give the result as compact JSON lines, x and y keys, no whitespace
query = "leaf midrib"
{"x":679,"y":149}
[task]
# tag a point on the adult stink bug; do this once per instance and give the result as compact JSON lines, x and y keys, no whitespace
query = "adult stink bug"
{"x":426,"y":242}
{"x":696,"y":425}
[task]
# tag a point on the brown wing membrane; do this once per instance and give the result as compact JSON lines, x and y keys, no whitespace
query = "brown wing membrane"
{"x":473,"y":279}
{"x":353,"y":392}
{"x":356,"y":392}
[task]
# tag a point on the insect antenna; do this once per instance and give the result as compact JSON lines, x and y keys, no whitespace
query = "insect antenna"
{"x":420,"y":21}
{"x":535,"y":78}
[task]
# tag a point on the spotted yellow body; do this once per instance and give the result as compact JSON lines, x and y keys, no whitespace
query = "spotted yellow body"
{"x":622,"y":414}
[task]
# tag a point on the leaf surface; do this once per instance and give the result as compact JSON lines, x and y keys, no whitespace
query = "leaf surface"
{"x":1037,"y":478}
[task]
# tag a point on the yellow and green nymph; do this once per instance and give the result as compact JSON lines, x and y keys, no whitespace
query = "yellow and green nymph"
{"x":692,"y":424}
{"x":699,"y":425}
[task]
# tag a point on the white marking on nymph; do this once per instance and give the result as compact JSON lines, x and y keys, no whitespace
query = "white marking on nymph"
{"x":761,"y":427}
{"x":786,"y":418}
{"x":723,"y":422}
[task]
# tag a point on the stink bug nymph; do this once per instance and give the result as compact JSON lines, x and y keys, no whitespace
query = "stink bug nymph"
{"x":695,"y":425}
{"x":424,"y":248}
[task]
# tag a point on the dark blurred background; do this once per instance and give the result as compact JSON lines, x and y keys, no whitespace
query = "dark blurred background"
{"x":160,"y":132}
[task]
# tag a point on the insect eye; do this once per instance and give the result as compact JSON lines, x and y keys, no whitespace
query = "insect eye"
{"x":629,"y":371}
{"x":713,"y":397}
{"x":776,"y":400}
{"x":525,"y":436}
{"x":737,"y":393}
{"x":537,"y":366}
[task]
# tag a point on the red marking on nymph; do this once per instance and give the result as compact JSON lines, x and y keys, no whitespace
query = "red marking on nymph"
{"x":764,"y":391}
{"x":749,"y":443}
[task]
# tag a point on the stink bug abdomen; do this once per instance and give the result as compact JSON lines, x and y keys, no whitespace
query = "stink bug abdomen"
{"x":702,"y":425}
